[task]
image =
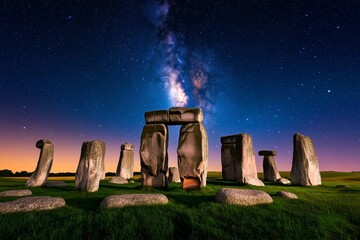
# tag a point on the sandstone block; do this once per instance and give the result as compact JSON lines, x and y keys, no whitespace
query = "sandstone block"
{"x":286,"y":195}
{"x":39,"y":176}
{"x":267,"y":153}
{"x":180,"y":115}
{"x":91,"y":166}
{"x":253,"y":181}
{"x":153,"y":155}
{"x":55,"y":184}
{"x":125,"y":166}
{"x":193,"y":153}
{"x":305,"y":166}
{"x":242,"y":197}
{"x":118,"y":180}
{"x":159,"y":116}
{"x":16,"y":193}
{"x":27,"y":204}
{"x":269,"y":167}
{"x":126,"y":200}
{"x":228,"y":160}
{"x":174,"y":175}
{"x":283,"y":181}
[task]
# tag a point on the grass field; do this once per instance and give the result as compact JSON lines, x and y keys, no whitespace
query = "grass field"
{"x":330,"y":211}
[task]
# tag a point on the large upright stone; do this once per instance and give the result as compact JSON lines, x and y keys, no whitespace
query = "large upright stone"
{"x":158,"y":116}
{"x":91,"y":166}
{"x":269,"y":167}
{"x":305,"y":167}
{"x":193,"y":155}
{"x":174,"y":175}
{"x":125,"y":166}
{"x":238,"y":159}
{"x":153,"y":155}
{"x":39,"y":176}
{"x":181,"y":115}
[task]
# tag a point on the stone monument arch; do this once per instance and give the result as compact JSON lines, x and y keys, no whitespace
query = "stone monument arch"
{"x":192,"y":147}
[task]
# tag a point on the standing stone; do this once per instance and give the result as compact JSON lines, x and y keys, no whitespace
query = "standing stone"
{"x":91,"y":166}
{"x":39,"y":176}
{"x":125,"y":166}
{"x":237,"y":152}
{"x":181,"y":115}
{"x":193,"y":155}
{"x":153,"y":155}
{"x":174,"y":175}
{"x":305,"y":166}
{"x":269,"y":167}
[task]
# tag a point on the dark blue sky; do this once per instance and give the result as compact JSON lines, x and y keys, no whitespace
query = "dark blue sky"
{"x":79,"y":70}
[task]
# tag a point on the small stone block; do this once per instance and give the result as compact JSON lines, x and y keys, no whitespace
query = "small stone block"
{"x":179,"y":115}
{"x":267,"y":153}
{"x":190,"y":183}
{"x":158,"y":116}
{"x":127,"y":146}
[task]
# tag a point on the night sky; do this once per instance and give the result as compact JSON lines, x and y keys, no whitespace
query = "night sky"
{"x":73,"y":71}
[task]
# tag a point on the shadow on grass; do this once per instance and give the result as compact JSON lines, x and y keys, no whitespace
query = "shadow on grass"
{"x":222,"y":183}
{"x":191,"y":200}
{"x":91,"y":203}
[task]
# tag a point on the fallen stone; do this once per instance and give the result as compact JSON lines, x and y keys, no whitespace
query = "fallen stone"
{"x":305,"y":166}
{"x":174,"y":175}
{"x":153,"y":155}
{"x":16,"y":193}
{"x":283,"y":181}
{"x":181,"y":115}
{"x":39,"y":176}
{"x":269,"y":167}
{"x":125,"y":166}
{"x":27,"y":204}
{"x":118,"y":180}
{"x":126,"y":200}
{"x":91,"y":166}
{"x":159,"y":116}
{"x":286,"y":195}
{"x":55,"y":184}
{"x":242,"y":197}
{"x":193,"y":154}
{"x":267,"y":153}
{"x":253,"y":181}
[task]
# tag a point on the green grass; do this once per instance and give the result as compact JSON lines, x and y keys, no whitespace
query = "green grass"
{"x":330,"y":211}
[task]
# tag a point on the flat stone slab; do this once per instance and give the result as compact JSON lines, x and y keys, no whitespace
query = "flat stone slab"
{"x":27,"y":204}
{"x":55,"y":184}
{"x":118,"y":180}
{"x":181,"y":115}
{"x":126,"y":200}
{"x":286,"y":195}
{"x":283,"y":181}
{"x":158,"y":116}
{"x":243,"y":197}
{"x":267,"y":153}
{"x":16,"y":193}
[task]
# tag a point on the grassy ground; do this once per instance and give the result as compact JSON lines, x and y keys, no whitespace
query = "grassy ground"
{"x":331,"y":211}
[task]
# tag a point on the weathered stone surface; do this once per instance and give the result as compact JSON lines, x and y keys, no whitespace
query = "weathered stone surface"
{"x":125,"y":166}
{"x":286,"y":195}
{"x":131,"y":181}
{"x":181,"y":115}
{"x":55,"y":184}
{"x":153,"y":155}
{"x":253,"y":181}
{"x":39,"y":176}
{"x":91,"y":166}
{"x":305,"y":167}
{"x":126,"y":200}
{"x":174,"y":175}
{"x":229,"y":139}
{"x":283,"y":181}
{"x":27,"y":204}
{"x":270,"y":171}
{"x":228,"y":159}
{"x":267,"y":153}
{"x":118,"y":180}
{"x":242,"y":197}
{"x":16,"y":193}
{"x":159,"y":116}
{"x":193,"y":153}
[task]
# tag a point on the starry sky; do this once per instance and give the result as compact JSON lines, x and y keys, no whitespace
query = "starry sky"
{"x":73,"y":71}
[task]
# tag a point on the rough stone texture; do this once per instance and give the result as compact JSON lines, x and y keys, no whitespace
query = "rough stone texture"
{"x":270,"y":171}
{"x":174,"y":175}
{"x":159,"y":116}
{"x":27,"y":204}
{"x":126,"y":200}
{"x":286,"y":195}
{"x":91,"y":166}
{"x":228,"y":158}
{"x":118,"y":180}
{"x":181,"y":115}
{"x":243,"y":197}
{"x":267,"y":153}
{"x":55,"y":184}
{"x":283,"y":181}
{"x":153,"y":155}
{"x":39,"y":176}
{"x":305,"y":167}
{"x":16,"y":193}
{"x":193,"y":153}
{"x":253,"y":181}
{"x":125,"y":166}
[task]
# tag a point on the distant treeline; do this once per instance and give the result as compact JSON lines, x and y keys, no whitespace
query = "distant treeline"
{"x":9,"y":173}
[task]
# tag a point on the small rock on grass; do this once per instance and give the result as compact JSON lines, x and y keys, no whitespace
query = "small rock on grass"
{"x":125,"y":200}
{"x":16,"y":193}
{"x":27,"y":204}
{"x":288,"y":195}
{"x":244,"y":197}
